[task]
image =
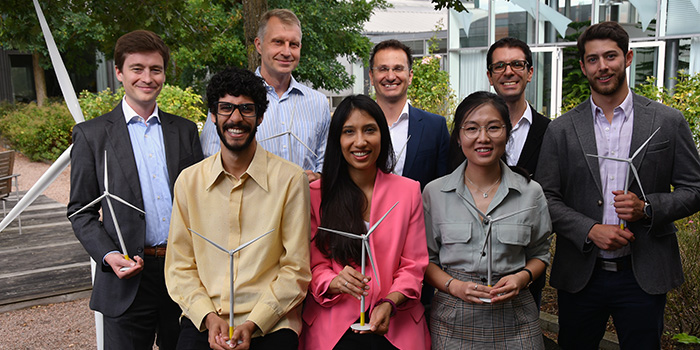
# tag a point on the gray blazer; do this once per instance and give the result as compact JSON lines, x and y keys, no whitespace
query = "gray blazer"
{"x":572,"y":184}
{"x":110,"y":295}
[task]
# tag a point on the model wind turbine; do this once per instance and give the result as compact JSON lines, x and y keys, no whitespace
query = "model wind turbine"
{"x":107,"y":196}
{"x":73,"y":106}
{"x":398,"y":156}
{"x":631,"y":167}
{"x":290,"y":134}
{"x":365,"y":247}
{"x":488,"y":222}
{"x":230,"y":255}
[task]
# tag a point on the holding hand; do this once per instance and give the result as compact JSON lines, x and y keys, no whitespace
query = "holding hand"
{"x":350,"y":281}
{"x":117,"y":261}
{"x":469,"y":291}
{"x":628,"y":206}
{"x":610,"y":237}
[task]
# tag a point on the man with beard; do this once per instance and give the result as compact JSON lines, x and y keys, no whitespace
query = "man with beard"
{"x":231,"y":198}
{"x":617,"y":254}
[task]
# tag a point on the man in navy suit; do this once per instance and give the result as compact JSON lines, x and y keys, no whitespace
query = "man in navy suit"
{"x":146,"y":149}
{"x":420,"y":139}
{"x":509,"y":69}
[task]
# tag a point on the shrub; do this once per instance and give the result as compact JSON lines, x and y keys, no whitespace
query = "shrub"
{"x":683,"y":305}
{"x":40,"y":133}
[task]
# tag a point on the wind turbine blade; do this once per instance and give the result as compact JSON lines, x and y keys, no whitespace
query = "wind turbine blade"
{"x":610,"y":158}
{"x":208,"y":240}
{"x":513,"y":213}
{"x":251,"y":241}
{"x":349,"y":235}
{"x":403,"y":148}
{"x":275,"y":136}
{"x":44,"y":181}
{"x":304,"y":144}
{"x":60,"y":69}
{"x":126,"y":203}
{"x":88,"y":205}
{"x":106,"y":176}
{"x":639,"y":181}
{"x":380,"y":220}
{"x":645,"y":143}
{"x":117,"y":227}
{"x":365,"y":245}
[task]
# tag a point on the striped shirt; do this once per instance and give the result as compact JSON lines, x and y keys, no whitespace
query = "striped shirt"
{"x":301,"y":113}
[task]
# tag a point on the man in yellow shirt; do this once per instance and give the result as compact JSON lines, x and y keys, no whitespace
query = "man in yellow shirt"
{"x":232,"y":198}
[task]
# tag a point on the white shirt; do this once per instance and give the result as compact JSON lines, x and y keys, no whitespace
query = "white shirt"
{"x":399,"y":139}
{"x":518,"y":135}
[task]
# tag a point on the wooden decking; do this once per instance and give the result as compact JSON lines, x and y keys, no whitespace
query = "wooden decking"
{"x":45,"y":261}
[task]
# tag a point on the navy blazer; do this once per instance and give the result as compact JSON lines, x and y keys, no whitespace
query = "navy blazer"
{"x":109,"y":132}
{"x":427,"y":150}
{"x":572,"y":184}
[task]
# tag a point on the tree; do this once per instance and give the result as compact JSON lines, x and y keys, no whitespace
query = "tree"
{"x":253,"y":9}
{"x":453,"y":4}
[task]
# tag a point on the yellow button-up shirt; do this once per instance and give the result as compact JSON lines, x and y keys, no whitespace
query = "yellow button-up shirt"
{"x":271,"y":276}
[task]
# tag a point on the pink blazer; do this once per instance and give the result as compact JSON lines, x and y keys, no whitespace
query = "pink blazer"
{"x":400,"y":252}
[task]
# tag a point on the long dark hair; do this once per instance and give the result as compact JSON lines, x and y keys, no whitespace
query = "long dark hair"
{"x":465,"y":108}
{"x":342,"y":201}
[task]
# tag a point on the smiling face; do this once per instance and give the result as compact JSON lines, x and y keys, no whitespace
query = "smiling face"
{"x":360,"y":142}
{"x":510,"y":84}
{"x":391,"y":84}
{"x":280,"y":48}
{"x":484,"y":150}
{"x":236,"y":132}
{"x":142,"y":75}
{"x":604,"y":66}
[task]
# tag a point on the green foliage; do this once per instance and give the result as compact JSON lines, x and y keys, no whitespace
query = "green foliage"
{"x":43,"y":133}
{"x":685,"y":338}
{"x":575,"y":87}
{"x":40,"y":133}
{"x":683,"y":305}
{"x":453,"y":4}
{"x":685,"y":97}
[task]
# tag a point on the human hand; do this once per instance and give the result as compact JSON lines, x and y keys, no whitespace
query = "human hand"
{"x":610,"y":237}
{"x":509,"y":286}
{"x":218,"y":332}
{"x":124,"y":269}
{"x":379,"y":319}
{"x":469,"y":291}
{"x":312,"y":175}
{"x":628,"y":206}
{"x":242,"y":335}
{"x":350,"y":281}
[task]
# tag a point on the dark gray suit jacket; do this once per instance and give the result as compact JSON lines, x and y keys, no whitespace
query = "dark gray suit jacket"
{"x":533,"y":143}
{"x":427,"y":150}
{"x":110,"y":295}
{"x":572,"y":184}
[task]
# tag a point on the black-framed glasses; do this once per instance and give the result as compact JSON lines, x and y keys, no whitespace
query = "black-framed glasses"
{"x":473,"y":131}
{"x":500,"y":67}
{"x":387,"y":69}
{"x":225,"y":109}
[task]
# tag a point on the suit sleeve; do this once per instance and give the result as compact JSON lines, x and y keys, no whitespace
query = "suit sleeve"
{"x":443,"y":150}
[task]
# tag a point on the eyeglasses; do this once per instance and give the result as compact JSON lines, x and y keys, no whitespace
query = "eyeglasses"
{"x":225,"y":109}
{"x":387,"y":69}
{"x":500,"y":67}
{"x":473,"y":131}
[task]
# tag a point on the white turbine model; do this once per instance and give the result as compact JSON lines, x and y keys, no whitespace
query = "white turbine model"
{"x":398,"y":156}
{"x":230,"y":255}
{"x":631,"y":167}
{"x":487,"y":221}
{"x":365,"y":247}
{"x":290,"y":134}
{"x":106,"y":195}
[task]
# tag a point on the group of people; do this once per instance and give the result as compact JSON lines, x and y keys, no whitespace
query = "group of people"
{"x":456,"y":223}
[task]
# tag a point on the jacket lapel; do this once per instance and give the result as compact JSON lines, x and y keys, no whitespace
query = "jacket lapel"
{"x":641,"y":130}
{"x":119,"y":139}
{"x":415,"y":131}
{"x":172,"y":148}
{"x":583,"y":127}
{"x":534,"y":138}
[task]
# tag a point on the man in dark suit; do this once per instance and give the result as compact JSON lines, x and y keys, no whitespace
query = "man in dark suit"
{"x":600,"y":268}
{"x":509,"y":69}
{"x":420,"y":139}
{"x":146,"y":150}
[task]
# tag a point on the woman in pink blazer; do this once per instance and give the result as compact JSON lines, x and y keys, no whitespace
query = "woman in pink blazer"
{"x":356,"y":189}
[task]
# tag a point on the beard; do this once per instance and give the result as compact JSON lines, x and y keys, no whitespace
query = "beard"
{"x":237,"y":148}
{"x":609,"y":89}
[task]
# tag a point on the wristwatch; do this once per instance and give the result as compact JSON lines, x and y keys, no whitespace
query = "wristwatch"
{"x":647,"y":210}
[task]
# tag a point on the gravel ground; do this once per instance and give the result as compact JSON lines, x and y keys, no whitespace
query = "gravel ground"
{"x":69,"y":325}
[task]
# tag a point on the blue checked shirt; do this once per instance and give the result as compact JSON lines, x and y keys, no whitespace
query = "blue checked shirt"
{"x":308,"y":113}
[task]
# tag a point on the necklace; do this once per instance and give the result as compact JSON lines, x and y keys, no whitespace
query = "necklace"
{"x":486,"y":193}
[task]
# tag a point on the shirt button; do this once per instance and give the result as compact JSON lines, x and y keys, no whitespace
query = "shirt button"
{"x":163,"y":219}
{"x":600,"y":203}
{"x":607,"y":129}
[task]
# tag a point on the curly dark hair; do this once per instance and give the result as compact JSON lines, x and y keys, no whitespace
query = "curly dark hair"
{"x":237,"y":82}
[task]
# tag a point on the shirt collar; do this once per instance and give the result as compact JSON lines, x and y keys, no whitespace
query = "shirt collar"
{"x":455,"y":180}
{"x":257,"y":170}
{"x":404,"y":111}
{"x":130,"y":114}
{"x":294,"y":85}
{"x":626,"y":106}
{"x":526,"y":117}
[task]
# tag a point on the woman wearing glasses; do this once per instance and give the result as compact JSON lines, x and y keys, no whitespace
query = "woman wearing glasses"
{"x":466,"y":312}
{"x":355,"y":192}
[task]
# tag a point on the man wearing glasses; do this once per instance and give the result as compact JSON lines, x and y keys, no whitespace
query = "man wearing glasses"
{"x":298,"y":117}
{"x":509,"y":64}
{"x":224,"y":198}
{"x":420,"y":139}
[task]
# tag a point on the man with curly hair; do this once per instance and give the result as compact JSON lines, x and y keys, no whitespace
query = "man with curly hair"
{"x":232,"y":197}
